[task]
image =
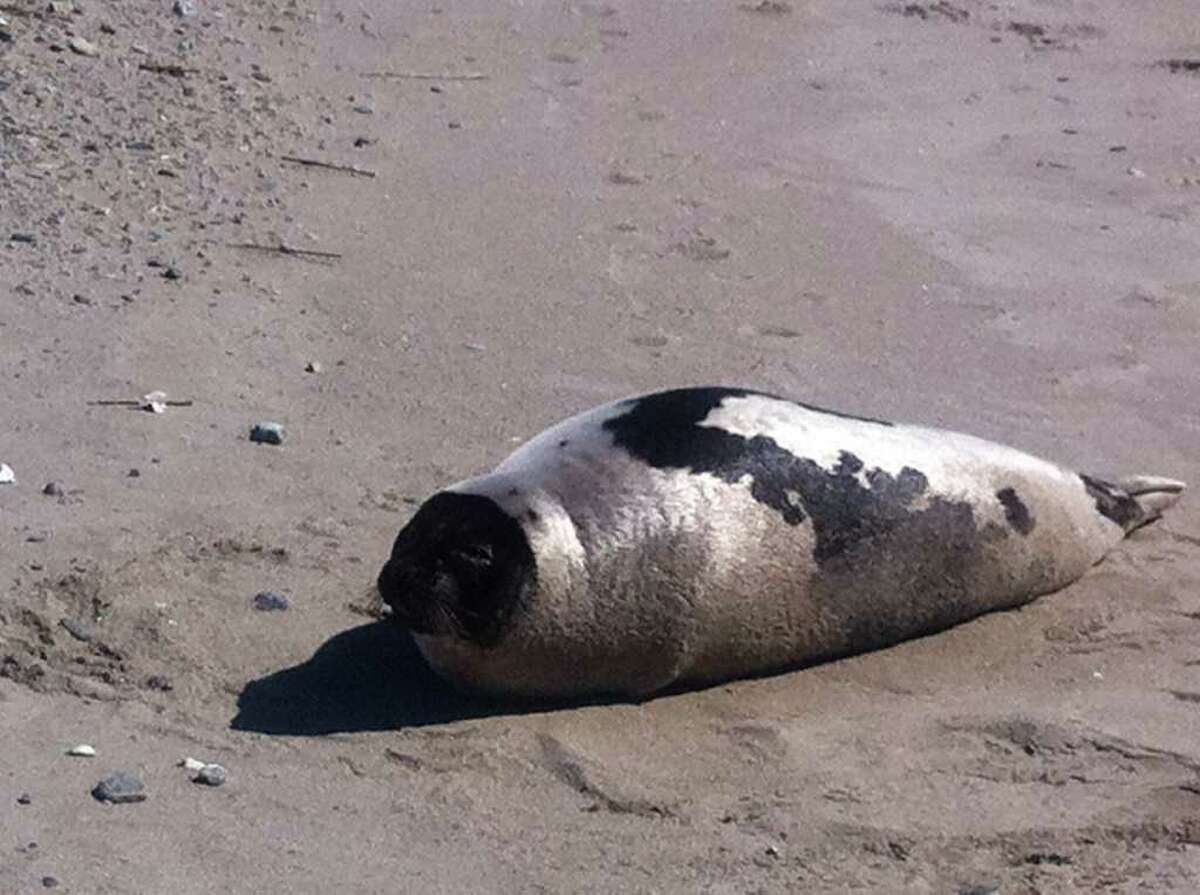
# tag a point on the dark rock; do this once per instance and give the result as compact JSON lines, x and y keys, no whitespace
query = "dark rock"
{"x":185,"y":8}
{"x":49,"y":882}
{"x":53,"y":489}
{"x":79,"y":629}
{"x":267,"y":433}
{"x":23,"y":237}
{"x":159,"y":682}
{"x":24,"y":799}
{"x":269,"y":601}
{"x":172,"y":273}
{"x":120,"y":787}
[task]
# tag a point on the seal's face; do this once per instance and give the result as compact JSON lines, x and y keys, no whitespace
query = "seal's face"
{"x":459,"y":568}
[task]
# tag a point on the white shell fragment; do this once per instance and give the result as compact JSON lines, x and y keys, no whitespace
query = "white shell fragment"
{"x":192,"y":764}
{"x":155,"y":402}
{"x":83,"y":750}
{"x":7,"y":476}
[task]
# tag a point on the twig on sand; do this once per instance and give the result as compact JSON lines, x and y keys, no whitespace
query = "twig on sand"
{"x":425,"y":76}
{"x":167,"y":68}
{"x":315,"y":163}
{"x":282,"y":249}
{"x":123,"y":402}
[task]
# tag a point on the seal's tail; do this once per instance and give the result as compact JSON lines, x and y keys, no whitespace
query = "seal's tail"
{"x":1152,"y":493}
{"x":1135,"y":501}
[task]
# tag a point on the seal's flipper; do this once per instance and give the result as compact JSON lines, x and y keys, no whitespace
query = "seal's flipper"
{"x":1136,"y":501}
{"x":1153,"y":493}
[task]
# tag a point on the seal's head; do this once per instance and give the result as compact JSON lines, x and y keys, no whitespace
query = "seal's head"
{"x":459,"y":568}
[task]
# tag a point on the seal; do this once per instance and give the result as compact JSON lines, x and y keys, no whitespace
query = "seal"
{"x":696,"y":535}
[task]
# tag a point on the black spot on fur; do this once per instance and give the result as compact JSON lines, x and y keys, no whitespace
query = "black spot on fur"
{"x":1113,"y":503}
{"x":663,"y":430}
{"x":460,"y":566}
{"x":1015,"y":511}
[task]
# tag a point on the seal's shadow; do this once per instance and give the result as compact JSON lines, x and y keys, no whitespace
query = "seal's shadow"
{"x":367,"y":678}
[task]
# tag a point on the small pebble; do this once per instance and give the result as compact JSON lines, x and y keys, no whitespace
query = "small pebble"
{"x":120,"y":787}
{"x":364,"y":110}
{"x":83,"y":750}
{"x":210,"y":775}
{"x":83,"y":47}
{"x":79,"y":629}
{"x":7,"y":476}
{"x":269,"y":601}
{"x":267,"y":433}
{"x":24,"y":799}
{"x":172,"y":273}
{"x":1135,"y":172}
{"x":53,"y":489}
{"x":27,"y":238}
{"x":135,"y":473}
{"x":193,"y":764}
{"x":185,"y":8}
{"x":159,"y":682}
{"x":49,"y":882}
{"x":313,"y":366}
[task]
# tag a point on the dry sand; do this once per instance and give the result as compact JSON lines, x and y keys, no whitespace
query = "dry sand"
{"x":978,"y":215}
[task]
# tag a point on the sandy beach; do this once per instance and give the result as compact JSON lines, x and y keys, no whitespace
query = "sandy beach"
{"x":414,"y":235}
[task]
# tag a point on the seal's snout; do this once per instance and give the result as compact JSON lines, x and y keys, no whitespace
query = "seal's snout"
{"x":459,"y":568}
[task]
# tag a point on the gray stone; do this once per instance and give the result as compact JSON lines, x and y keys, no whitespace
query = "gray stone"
{"x":120,"y":787}
{"x":83,"y":47}
{"x":210,"y":775}
{"x":267,"y":433}
{"x":185,"y":8}
{"x":269,"y":601}
{"x":79,"y":629}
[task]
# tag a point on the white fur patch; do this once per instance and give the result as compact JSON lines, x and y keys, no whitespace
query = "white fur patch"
{"x":954,"y":464}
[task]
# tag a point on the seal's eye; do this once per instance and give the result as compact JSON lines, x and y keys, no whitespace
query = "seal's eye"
{"x":479,"y":555}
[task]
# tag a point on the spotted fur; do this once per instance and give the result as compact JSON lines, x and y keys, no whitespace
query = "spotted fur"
{"x":701,"y":534}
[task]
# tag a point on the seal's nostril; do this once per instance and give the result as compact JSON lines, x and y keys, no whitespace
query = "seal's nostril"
{"x":386,"y":583}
